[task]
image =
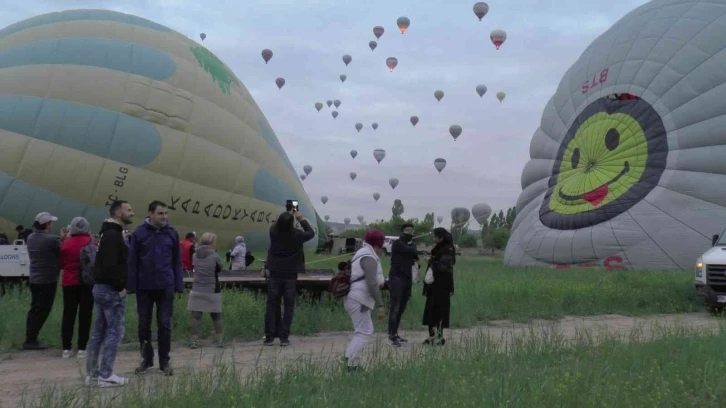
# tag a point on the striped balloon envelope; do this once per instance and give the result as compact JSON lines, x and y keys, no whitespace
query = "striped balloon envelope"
{"x":97,"y":105}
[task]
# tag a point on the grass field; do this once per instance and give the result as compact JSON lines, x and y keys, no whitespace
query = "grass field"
{"x":485,"y":290}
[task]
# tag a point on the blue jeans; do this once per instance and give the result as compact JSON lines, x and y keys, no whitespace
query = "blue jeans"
{"x":164,"y":301}
{"x":107,"y":332}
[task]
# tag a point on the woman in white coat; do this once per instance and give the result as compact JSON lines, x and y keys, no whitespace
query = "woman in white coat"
{"x":239,"y":254}
{"x":365,"y":294}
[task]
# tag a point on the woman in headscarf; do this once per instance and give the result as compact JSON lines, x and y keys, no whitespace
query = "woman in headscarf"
{"x":438,"y":293}
{"x":206,"y":294}
{"x":366,"y":277}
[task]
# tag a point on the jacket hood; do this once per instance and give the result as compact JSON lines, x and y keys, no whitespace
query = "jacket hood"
{"x":204,"y":251}
{"x":109,"y":224}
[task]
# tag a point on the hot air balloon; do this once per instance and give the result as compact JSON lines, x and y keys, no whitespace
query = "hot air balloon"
{"x":266,"y":55}
{"x":498,"y":37}
{"x":501,"y":96}
{"x":353,"y":175}
{"x":343,"y":77}
{"x":438,"y":95}
{"x":374,"y":125}
{"x":414,"y":120}
{"x":134,"y":146}
{"x":336,"y":103}
{"x":347,"y":59}
{"x":378,"y":31}
{"x":403,"y":23}
{"x":455,"y":131}
{"x":440,"y":164}
{"x":318,"y":106}
{"x":372,"y":45}
{"x":280,"y":82}
{"x":439,"y":219}
{"x":379,"y":154}
{"x":460,"y":216}
{"x":376,"y":196}
{"x":629,"y":176}
{"x":353,"y":153}
{"x":481,"y":9}
{"x":307,"y":169}
{"x":329,"y":102}
{"x":393,"y":182}
{"x":303,"y":177}
{"x":334,"y":113}
{"x":360,"y":219}
{"x":359,"y":126}
{"x":481,"y":90}
{"x":391,"y":63}
{"x":481,"y":212}
{"x":327,"y":217}
{"x":324,"y":199}
{"x":202,"y":36}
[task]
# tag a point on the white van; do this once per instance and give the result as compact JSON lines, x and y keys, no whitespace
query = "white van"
{"x":14,"y":264}
{"x":387,"y":244}
{"x":710,"y":274}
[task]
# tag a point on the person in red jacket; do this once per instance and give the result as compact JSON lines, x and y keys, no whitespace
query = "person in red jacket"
{"x":77,"y":296}
{"x":187,"y":248}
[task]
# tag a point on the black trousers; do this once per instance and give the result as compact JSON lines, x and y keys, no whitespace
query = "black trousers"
{"x":42,"y":297}
{"x":278,"y":291}
{"x":77,"y":300}
{"x":400,"y":291}
{"x":164,"y":301}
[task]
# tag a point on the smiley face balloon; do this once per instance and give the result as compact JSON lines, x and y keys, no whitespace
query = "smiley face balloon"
{"x":627,"y":168}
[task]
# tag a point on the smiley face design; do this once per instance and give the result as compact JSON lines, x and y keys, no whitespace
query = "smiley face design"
{"x":612,"y":156}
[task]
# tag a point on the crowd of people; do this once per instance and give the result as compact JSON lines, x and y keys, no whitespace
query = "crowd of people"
{"x":151,"y":261}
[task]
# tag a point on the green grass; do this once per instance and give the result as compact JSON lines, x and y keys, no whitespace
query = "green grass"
{"x":485,"y":290}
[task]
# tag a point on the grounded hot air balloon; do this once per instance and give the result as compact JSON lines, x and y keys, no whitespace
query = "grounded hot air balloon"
{"x":334,"y":113}
{"x":327,"y":217}
{"x":628,"y":177}
{"x":438,"y":95}
{"x":481,"y":9}
{"x":455,"y":131}
{"x":393,"y":182}
{"x":481,"y":90}
{"x":440,"y":164}
{"x":303,"y":177}
{"x":353,"y":175}
{"x":360,"y":219}
{"x":378,"y":31}
{"x":501,"y":96}
{"x":343,"y":77}
{"x":481,"y":212}
{"x":336,"y":103}
{"x":358,"y":126}
{"x":391,"y":63}
{"x":266,"y":55}
{"x":498,"y":37}
{"x":329,"y":102}
{"x":324,"y":199}
{"x":307,"y":169}
{"x":403,"y":23}
{"x":347,"y":59}
{"x":379,"y":154}
{"x":280,"y":82}
{"x":460,"y":216}
{"x":132,"y":146}
{"x":374,"y":125}
{"x":346,"y":221}
{"x":372,"y":45}
{"x":376,"y":196}
{"x":318,"y":106}
{"x":439,"y":219}
{"x":202,"y":36}
{"x":414,"y":120}
{"x":353,"y":153}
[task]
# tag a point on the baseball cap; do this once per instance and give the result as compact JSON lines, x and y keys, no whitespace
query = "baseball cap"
{"x":45,"y":217}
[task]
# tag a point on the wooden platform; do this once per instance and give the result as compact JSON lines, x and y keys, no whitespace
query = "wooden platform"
{"x":317,"y":279}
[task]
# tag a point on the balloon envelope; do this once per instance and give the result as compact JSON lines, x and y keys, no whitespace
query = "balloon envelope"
{"x":460,"y":216}
{"x":501,"y":96}
{"x":455,"y":131}
{"x":374,"y":126}
{"x":353,"y":153}
{"x":376,"y":196}
{"x":440,"y":164}
{"x":481,"y":9}
{"x":480,"y":212}
{"x":329,"y":102}
{"x":324,"y":199}
{"x":372,"y":45}
{"x":280,"y":82}
{"x":359,"y":126}
{"x":414,"y":120}
{"x":318,"y":106}
{"x":438,"y":95}
{"x":334,"y":113}
{"x":266,"y":55}
{"x":391,"y":63}
{"x":347,"y":59}
{"x":481,"y":90}
{"x":307,"y":169}
{"x":498,"y":37}
{"x":378,"y":31}
{"x":202,"y":36}
{"x":336,"y":103}
{"x":303,"y":177}
{"x":353,"y":175}
{"x":346,"y":221}
{"x":360,"y":219}
{"x":379,"y":154}
{"x":393,"y":182}
{"x":439,"y":219}
{"x":343,"y":77}
{"x":327,"y":217}
{"x":403,"y":23}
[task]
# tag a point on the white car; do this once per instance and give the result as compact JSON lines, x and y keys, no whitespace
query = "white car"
{"x":710,"y":274}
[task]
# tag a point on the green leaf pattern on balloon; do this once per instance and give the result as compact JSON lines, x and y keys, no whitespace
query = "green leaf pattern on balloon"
{"x":214,"y":67}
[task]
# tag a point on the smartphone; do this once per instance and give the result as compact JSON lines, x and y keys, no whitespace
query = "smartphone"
{"x":291,"y":205}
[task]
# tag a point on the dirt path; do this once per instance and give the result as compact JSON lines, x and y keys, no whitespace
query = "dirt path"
{"x":29,"y":369}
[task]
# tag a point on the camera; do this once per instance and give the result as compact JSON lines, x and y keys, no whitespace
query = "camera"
{"x":292,"y":205}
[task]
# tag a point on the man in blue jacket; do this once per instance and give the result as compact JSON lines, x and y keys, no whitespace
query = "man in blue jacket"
{"x":155,"y":273}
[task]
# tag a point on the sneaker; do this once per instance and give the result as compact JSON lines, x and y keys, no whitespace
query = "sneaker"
{"x":67,"y":353}
{"x":393,"y":341}
{"x":193,"y":344}
{"x":112,"y":380}
{"x":401,"y":339}
{"x":268,"y":341}
{"x":91,"y":381}
{"x":81,"y":354}
{"x":429,"y":341}
{"x":34,"y":346}
{"x":166,"y":369}
{"x":144,"y":367}
{"x":220,"y":344}
{"x":284,"y":343}
{"x":440,"y":341}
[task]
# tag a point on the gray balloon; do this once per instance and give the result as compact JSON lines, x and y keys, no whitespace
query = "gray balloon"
{"x":439,"y":219}
{"x":414,"y":120}
{"x":327,"y":217}
{"x":329,"y":102}
{"x":303,"y":177}
{"x":481,"y":9}
{"x":334,"y":113}
{"x":440,"y":164}
{"x":359,"y":126}
{"x":336,"y":103}
{"x":372,"y":45}
{"x":379,"y":154}
{"x":393,"y":182}
{"x":376,"y":196}
{"x":438,"y":95}
{"x":353,"y":153}
{"x":391,"y":63}
{"x":455,"y":131}
{"x":347,"y":59}
{"x":403,"y":23}
{"x":460,"y":215}
{"x":346,"y":221}
{"x":280,"y":82}
{"x":481,"y":212}
{"x":481,"y":90}
{"x":307,"y":169}
{"x":318,"y":106}
{"x":324,"y":199}
{"x":378,"y":31}
{"x":353,"y":175}
{"x":360,"y":219}
{"x":203,"y":36}
{"x":343,"y":77}
{"x":374,"y":126}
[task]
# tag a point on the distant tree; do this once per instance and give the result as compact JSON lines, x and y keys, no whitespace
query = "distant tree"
{"x":397,"y":209}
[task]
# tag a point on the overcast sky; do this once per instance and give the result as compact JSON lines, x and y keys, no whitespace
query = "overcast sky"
{"x":446,"y":48}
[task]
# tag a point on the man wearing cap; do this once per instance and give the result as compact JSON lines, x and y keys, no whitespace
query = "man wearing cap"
{"x":43,"y":251}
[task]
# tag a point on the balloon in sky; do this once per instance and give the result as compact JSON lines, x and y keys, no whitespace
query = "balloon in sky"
{"x":391,"y":63}
{"x":498,"y":37}
{"x":347,"y":59}
{"x":329,"y":102}
{"x":336,"y":103}
{"x":625,"y":169}
{"x":501,"y":96}
{"x":324,"y":199}
{"x":266,"y":55}
{"x":353,"y":153}
{"x":372,"y":45}
{"x":393,"y":182}
{"x":481,"y":9}
{"x":374,"y":126}
{"x":378,"y":31}
{"x":280,"y":82}
{"x":481,"y":90}
{"x":360,"y":219}
{"x":307,"y":169}
{"x":414,"y":120}
{"x":327,"y":217}
{"x":455,"y":131}
{"x":403,"y":23}
{"x":376,"y":196}
{"x":438,"y":95}
{"x":334,"y":113}
{"x":303,"y":177}
{"x":202,"y":36}
{"x":481,"y":212}
{"x":353,"y":175}
{"x":440,"y":164}
{"x":318,"y":106}
{"x":346,"y":221}
{"x":379,"y":154}
{"x":439,"y":219}
{"x":343,"y":77}
{"x":126,"y":117}
{"x":359,"y":126}
{"x":460,"y":216}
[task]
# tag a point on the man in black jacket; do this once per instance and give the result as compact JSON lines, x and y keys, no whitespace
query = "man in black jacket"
{"x":404,"y":255}
{"x":285,"y":260}
{"x":110,"y":273}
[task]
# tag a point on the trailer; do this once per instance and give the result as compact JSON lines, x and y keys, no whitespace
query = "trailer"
{"x":14,"y":264}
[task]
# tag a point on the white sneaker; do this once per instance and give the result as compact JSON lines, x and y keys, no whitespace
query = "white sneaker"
{"x":113,"y":380}
{"x":67,"y":353}
{"x":81,"y":354}
{"x":91,"y":382}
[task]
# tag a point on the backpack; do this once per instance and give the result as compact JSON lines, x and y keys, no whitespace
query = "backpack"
{"x":340,"y":284}
{"x":88,"y":260}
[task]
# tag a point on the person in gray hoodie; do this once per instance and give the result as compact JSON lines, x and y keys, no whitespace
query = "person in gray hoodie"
{"x":206,"y":294}
{"x":43,"y":251}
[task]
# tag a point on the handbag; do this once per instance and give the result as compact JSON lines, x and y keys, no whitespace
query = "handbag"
{"x":415,"y":277}
{"x":429,"y":278}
